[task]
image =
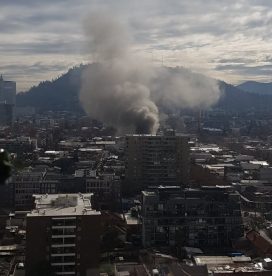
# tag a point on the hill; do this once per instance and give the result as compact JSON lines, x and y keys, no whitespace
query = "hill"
{"x":237,"y":100}
{"x":256,"y":87}
{"x":58,"y":94}
{"x":62,"y":94}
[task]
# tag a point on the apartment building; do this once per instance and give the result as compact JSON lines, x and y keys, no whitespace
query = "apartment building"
{"x":102,"y":184}
{"x":153,"y":160}
{"x":106,"y":190}
{"x":29,"y":182}
{"x":208,"y":217}
{"x":63,"y":235}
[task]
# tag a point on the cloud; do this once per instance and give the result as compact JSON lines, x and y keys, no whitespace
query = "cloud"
{"x":41,"y":47}
{"x":35,"y":68}
{"x":197,"y":34}
{"x":251,"y":70}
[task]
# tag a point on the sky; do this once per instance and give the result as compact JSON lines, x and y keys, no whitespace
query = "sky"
{"x":230,"y":40}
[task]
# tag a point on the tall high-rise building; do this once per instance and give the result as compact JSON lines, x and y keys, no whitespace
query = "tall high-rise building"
{"x":153,"y":160}
{"x":6,"y":114}
{"x":63,"y":236}
{"x":7,"y":91}
{"x":7,"y":101}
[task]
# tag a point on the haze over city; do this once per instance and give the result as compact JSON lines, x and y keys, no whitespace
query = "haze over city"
{"x":227,"y":40}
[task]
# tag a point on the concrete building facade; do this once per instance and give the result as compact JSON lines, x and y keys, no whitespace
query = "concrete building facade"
{"x":153,"y":160}
{"x":27,"y":183}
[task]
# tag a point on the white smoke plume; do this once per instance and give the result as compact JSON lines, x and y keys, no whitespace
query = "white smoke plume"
{"x":124,"y":91}
{"x":176,"y":88}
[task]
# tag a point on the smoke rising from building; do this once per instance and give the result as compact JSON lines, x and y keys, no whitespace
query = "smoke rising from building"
{"x":123,"y":90}
{"x":116,"y":89}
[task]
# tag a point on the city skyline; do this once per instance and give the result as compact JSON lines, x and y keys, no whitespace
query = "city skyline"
{"x":135,"y":137}
{"x":227,"y":40}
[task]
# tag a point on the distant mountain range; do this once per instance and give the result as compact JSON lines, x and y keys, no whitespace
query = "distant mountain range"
{"x":62,"y":94}
{"x":237,"y":100}
{"x":256,"y":87}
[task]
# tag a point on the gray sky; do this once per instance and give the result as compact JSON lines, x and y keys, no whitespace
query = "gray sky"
{"x":226,"y":39}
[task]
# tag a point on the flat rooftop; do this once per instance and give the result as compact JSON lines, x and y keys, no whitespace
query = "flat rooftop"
{"x":62,"y":205}
{"x":166,"y":135}
{"x":229,"y":265}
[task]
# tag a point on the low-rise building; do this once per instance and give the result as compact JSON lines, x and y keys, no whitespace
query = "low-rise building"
{"x":29,"y":182}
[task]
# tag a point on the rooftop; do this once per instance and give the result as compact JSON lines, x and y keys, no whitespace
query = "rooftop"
{"x":130,"y":220}
{"x":89,"y":149}
{"x":159,"y":135}
{"x":63,"y":205}
{"x":229,"y":265}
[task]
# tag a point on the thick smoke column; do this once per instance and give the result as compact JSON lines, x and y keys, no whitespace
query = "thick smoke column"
{"x":122,"y":90}
{"x":176,"y":88}
{"x":116,"y":89}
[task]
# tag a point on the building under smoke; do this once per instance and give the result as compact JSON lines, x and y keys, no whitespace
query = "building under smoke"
{"x":153,"y":160}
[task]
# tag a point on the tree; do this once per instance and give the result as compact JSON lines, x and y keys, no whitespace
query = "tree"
{"x":5,"y":166}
